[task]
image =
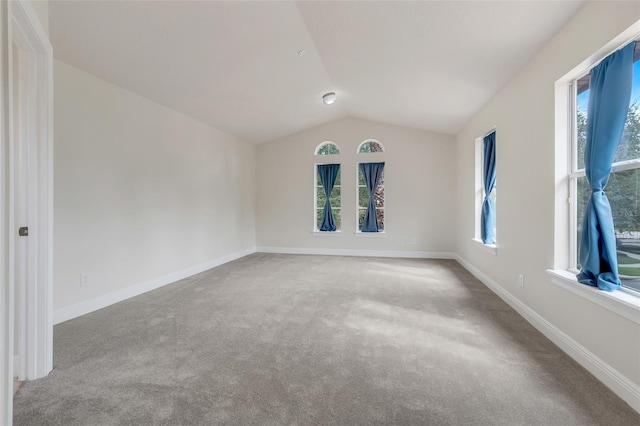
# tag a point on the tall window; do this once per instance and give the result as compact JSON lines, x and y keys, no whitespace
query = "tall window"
{"x":485,"y":211}
{"x":323,"y":223}
{"x":370,"y":184}
{"x":623,"y":188}
{"x":327,"y":191}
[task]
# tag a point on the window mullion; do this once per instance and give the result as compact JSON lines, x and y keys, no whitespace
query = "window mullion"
{"x":621,"y":166}
{"x":574,"y":175}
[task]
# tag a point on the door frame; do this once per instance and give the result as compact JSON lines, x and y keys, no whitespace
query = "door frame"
{"x":21,"y":30}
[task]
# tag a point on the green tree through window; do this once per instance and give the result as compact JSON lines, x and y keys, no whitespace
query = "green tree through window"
{"x":370,"y":147}
{"x":335,"y":199}
{"x":623,"y":188}
{"x":327,"y":148}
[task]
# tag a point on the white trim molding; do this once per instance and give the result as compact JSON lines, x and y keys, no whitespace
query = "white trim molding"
{"x":619,"y":301}
{"x":6,"y":257}
{"x":22,"y":37}
{"x":16,"y":364}
{"x":103,"y":301}
{"x":489,"y":248}
{"x":613,"y":379}
{"x":31,"y":151}
{"x":32,"y":142}
{"x":360,"y":234}
{"x":337,"y":233}
{"x":360,"y":253}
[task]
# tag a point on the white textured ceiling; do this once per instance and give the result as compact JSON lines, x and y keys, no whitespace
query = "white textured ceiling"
{"x":234,"y":65}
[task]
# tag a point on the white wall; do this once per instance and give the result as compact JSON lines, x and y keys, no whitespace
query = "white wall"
{"x":41,"y":7}
{"x":140,"y":191}
{"x":524,"y":115}
{"x":419,"y":183}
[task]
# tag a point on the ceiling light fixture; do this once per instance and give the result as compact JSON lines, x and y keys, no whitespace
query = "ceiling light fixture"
{"x":329,"y":98}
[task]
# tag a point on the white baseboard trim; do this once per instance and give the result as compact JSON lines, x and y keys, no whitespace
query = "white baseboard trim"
{"x":103,"y":301}
{"x":16,"y":366}
{"x":361,"y":253}
{"x":618,"y":383}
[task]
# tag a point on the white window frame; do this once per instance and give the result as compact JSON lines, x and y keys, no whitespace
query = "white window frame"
{"x":479,"y":195}
{"x":576,"y":173}
{"x":370,"y":153}
{"x":327,"y":143}
{"x":624,"y":302}
{"x":317,"y":231}
{"x":359,"y":233}
{"x":371,"y":157}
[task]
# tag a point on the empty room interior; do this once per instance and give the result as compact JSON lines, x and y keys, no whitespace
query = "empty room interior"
{"x":317,"y":212}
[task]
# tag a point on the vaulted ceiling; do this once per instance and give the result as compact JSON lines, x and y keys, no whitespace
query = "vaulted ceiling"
{"x":235,"y":65}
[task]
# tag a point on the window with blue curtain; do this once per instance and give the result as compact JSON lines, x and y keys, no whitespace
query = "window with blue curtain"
{"x":606,"y":174}
{"x":327,"y":190}
{"x":488,"y":212}
{"x":328,"y":197}
{"x":371,"y":197}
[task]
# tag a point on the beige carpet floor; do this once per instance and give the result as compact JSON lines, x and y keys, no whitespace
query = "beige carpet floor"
{"x":315,"y":340}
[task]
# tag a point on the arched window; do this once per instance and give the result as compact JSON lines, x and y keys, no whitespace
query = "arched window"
{"x":370,"y":146}
{"x":327,"y":148}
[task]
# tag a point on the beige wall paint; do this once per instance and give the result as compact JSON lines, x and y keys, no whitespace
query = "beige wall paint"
{"x":41,"y":8}
{"x":419,"y":182}
{"x":523,"y":113}
{"x":141,"y":191}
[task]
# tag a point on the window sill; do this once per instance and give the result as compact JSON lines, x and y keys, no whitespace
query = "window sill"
{"x":327,"y":233}
{"x":360,"y":234}
{"x":621,"y":302}
{"x":490,"y":248}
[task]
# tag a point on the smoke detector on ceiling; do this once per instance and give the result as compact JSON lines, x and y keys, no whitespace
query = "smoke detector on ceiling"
{"x":329,"y":98}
